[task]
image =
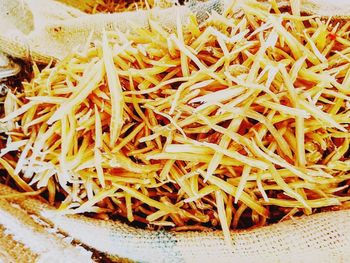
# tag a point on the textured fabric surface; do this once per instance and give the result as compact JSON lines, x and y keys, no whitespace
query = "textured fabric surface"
{"x":30,"y":239}
{"x":14,"y":251}
{"x":42,"y":30}
{"x":323,"y":237}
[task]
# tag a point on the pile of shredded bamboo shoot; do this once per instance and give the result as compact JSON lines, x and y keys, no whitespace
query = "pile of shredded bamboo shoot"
{"x":112,"y":6}
{"x":237,"y":122}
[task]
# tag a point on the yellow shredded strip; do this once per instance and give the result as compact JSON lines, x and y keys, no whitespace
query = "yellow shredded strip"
{"x":98,"y":146}
{"x":222,"y":216}
{"x":115,"y":89}
{"x":21,"y":183}
{"x":22,"y":195}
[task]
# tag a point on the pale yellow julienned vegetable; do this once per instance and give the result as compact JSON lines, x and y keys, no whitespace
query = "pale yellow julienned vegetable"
{"x":237,"y":121}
